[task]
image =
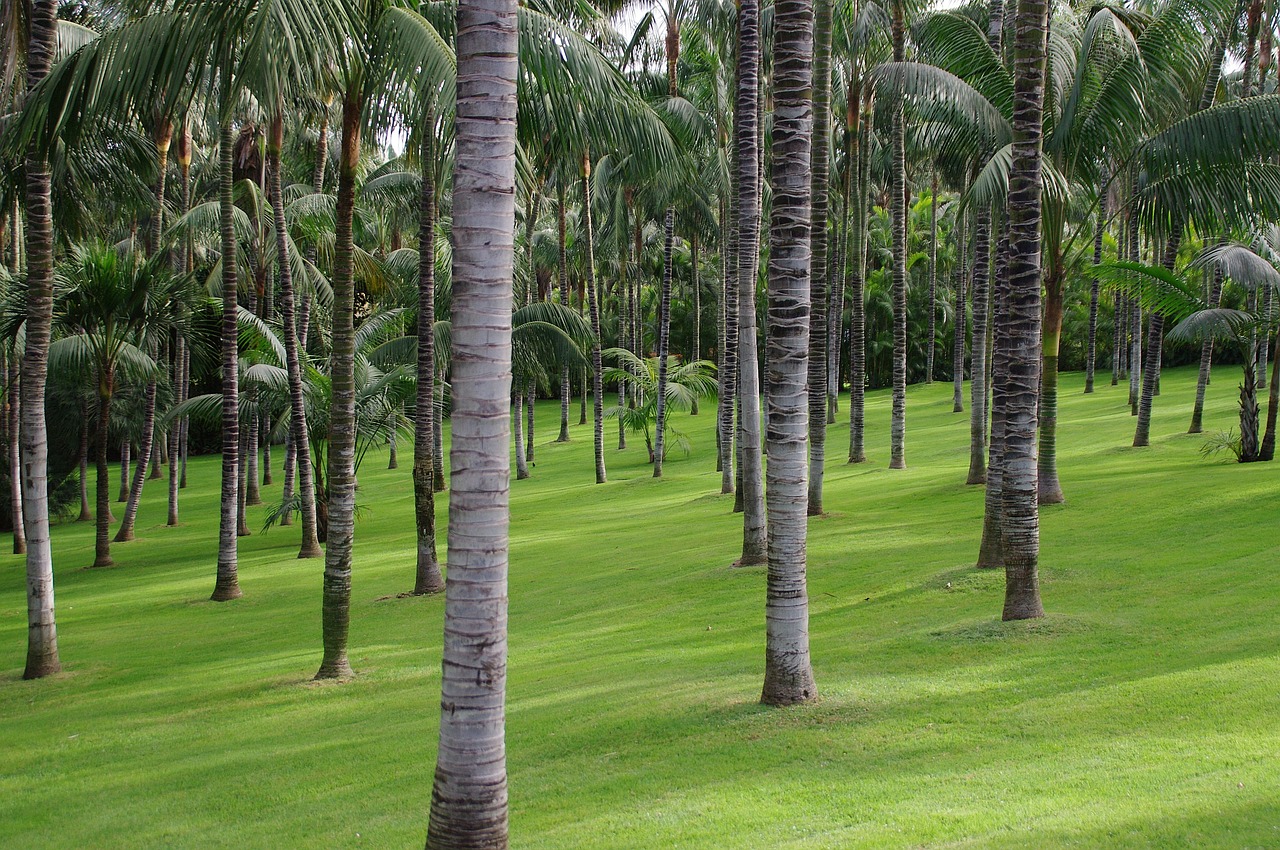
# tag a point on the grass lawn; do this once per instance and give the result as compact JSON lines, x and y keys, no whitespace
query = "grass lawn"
{"x":1142,"y":712}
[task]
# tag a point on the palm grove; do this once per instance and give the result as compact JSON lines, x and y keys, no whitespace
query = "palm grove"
{"x":291,"y":232}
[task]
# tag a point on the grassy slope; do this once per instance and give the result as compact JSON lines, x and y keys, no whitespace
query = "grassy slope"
{"x":1141,"y":713}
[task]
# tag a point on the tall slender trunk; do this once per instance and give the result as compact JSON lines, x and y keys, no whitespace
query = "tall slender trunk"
{"x":1020,"y":527}
{"x":898,"y":212}
{"x":1206,"y":362}
{"x":299,"y":432}
{"x":427,"y":577}
{"x":755,"y":543}
{"x":562,"y":272}
{"x":978,"y":385}
{"x":530,"y":295}
{"x":990,"y":554}
{"x":172,"y":435}
{"x":729,"y":350}
{"x":1048,"y":487}
{"x":933,"y":275}
{"x":125,"y":533}
{"x":960,"y":323}
{"x":342,"y":413}
{"x":438,"y":482}
{"x":788,"y":674}
{"x":857,"y":292}
{"x":664,"y":343}
{"x":469,"y":797}
{"x":227,"y":585}
{"x":1099,"y":229}
{"x":14,"y":421}
{"x":1117,"y":340}
{"x":102,"y":528}
{"x":593,"y":306}
{"x":695,"y":287}
{"x":183,"y":437}
{"x":818,"y":288}
{"x":86,"y":515}
{"x":517,"y":416}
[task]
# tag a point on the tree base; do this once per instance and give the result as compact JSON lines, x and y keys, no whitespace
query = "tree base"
{"x":788,"y":687}
{"x":123,"y":536}
{"x":40,"y":666}
{"x":102,"y":561}
{"x":226,"y":592}
{"x":335,"y":669}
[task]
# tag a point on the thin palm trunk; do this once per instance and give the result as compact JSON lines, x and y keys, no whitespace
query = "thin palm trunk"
{"x":755,"y":541}
{"x":978,"y":385}
{"x":86,"y":515}
{"x":729,"y":349}
{"x":469,"y":797}
{"x":857,"y":293}
{"x":788,"y":677}
{"x":427,"y":577}
{"x":172,"y":435}
{"x":227,"y":585}
{"x":517,"y":416}
{"x":664,"y":342}
{"x":932,"y":336}
{"x":438,"y":482}
{"x":125,"y":459}
{"x":125,"y":533}
{"x":102,"y":528}
{"x":562,"y":271}
{"x":1092,"y":351}
{"x":1206,"y":362}
{"x":340,"y":534}
{"x":13,"y":422}
{"x":1020,"y":525}
{"x":593,"y":307}
{"x":898,"y":212}
{"x":1048,"y":487}
{"x":818,"y":285}
{"x":990,"y":554}
{"x":960,"y":322}
{"x":299,"y":432}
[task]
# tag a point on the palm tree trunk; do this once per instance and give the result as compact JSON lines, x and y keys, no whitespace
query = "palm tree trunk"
{"x":183,"y":442}
{"x":788,"y":676}
{"x":695,"y":350}
{"x":1206,"y":362}
{"x":1098,"y":231}
{"x":15,"y":457}
{"x":1020,"y":527}
{"x":990,"y":554}
{"x":898,"y":208}
{"x":933,"y":275}
{"x":469,"y":797}
{"x":125,"y":533}
{"x":960,"y":323}
{"x":818,"y":287}
{"x":593,"y":306}
{"x":857,"y":290}
{"x":664,"y":342}
{"x":517,"y":415}
{"x":299,"y":432}
{"x":102,"y":528}
{"x":86,"y":515}
{"x":172,"y":435}
{"x":336,"y":609}
{"x":562,"y":272}
{"x":242,"y":511}
{"x":227,"y":585}
{"x":978,"y":385}
{"x":125,"y":458}
{"x":729,"y":353}
{"x":427,"y":578}
{"x":438,"y":482}
{"x":755,"y":541}
{"x":1048,"y":486}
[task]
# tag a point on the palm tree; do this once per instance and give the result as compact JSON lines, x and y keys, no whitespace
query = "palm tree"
{"x":746,"y":267}
{"x":788,"y":676}
{"x":898,"y":205}
{"x":112,"y":305}
{"x":42,"y":632}
{"x":686,"y":383}
{"x":1020,"y":528}
{"x":299,"y":433}
{"x":469,"y":796}
{"x":818,"y":285}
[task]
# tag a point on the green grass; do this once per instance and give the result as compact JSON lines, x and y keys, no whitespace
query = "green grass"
{"x":1142,"y":712}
